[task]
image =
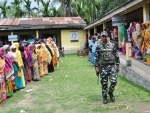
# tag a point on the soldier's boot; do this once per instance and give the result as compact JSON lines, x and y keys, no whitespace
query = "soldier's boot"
{"x":112,"y":97}
{"x":105,"y":101}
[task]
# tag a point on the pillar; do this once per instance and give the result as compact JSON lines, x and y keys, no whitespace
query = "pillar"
{"x":146,"y":12}
{"x":128,"y":54}
{"x":104,"y":25}
{"x":37,"y":34}
{"x":89,"y":33}
{"x":11,"y":33}
{"x":95,"y":29}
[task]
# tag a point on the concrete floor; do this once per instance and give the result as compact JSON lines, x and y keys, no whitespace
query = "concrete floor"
{"x":138,"y":73}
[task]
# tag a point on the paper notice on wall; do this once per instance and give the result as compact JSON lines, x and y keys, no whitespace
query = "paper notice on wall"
{"x":74,"y":36}
{"x":118,"y":20}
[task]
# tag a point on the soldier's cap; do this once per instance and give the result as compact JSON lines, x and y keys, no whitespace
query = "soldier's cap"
{"x":104,"y":34}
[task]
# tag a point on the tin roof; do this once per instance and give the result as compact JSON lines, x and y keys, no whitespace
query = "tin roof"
{"x":41,"y":22}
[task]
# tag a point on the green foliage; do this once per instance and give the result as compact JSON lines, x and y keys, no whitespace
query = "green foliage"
{"x":17,"y":10}
{"x":28,"y":9}
{"x":45,"y":8}
{"x":4,"y":9}
{"x":89,"y":10}
{"x":108,"y":5}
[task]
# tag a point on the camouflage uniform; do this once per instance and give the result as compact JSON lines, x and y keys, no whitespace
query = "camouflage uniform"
{"x":107,"y":59}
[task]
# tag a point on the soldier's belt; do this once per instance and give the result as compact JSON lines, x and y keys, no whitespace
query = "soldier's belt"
{"x":108,"y":63}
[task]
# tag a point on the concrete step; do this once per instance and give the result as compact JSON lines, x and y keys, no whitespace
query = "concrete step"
{"x":139,"y":73}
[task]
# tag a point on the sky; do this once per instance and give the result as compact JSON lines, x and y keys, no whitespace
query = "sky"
{"x":33,"y":3}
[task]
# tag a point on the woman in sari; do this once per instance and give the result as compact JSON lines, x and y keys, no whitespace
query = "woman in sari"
{"x":123,"y":38}
{"x":137,"y":38}
{"x":57,"y":52}
{"x":2,"y":77}
{"x":50,"y":43}
{"x":9,"y":73}
{"x":146,"y":42}
{"x":14,"y":59}
{"x":39,"y":59}
{"x":28,"y":57}
{"x":46,"y":58}
{"x":20,"y":63}
{"x":27,"y":71}
{"x":34,"y":63}
{"x":143,"y":49}
{"x":50,"y":66}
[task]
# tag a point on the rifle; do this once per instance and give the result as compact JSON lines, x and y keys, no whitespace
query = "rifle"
{"x":98,"y":75}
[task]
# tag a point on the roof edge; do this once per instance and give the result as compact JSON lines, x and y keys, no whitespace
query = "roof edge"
{"x":111,"y":11}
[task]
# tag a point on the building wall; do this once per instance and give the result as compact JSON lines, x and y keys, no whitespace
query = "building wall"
{"x":72,"y":47}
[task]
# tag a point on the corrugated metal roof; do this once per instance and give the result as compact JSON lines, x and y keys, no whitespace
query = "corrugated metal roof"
{"x":42,"y":21}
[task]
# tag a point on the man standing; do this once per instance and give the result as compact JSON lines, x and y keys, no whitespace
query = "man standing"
{"x":93,"y":48}
{"x":107,"y":64}
{"x":1,"y":43}
{"x":90,"y":50}
{"x":115,"y":34}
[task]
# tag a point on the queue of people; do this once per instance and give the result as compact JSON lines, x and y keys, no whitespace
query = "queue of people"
{"x":23,"y":62}
{"x":136,"y":33}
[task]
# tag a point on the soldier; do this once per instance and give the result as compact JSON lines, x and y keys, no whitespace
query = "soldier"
{"x":107,"y":64}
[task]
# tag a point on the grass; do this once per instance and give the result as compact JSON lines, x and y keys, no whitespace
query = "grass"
{"x":73,"y":88}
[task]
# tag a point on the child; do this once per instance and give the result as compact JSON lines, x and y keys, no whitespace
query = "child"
{"x":61,"y":50}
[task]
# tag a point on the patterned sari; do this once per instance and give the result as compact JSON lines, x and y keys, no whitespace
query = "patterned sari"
{"x":28,"y":65}
{"x":9,"y":74}
{"x":46,"y":58}
{"x":20,"y":64}
{"x":2,"y":77}
{"x":39,"y":59}
{"x":35,"y":71}
{"x":146,"y":42}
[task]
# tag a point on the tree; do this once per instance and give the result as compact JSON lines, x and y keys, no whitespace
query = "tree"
{"x":66,"y":6}
{"x":88,"y":10}
{"x":53,"y":12}
{"x":38,"y":3}
{"x":4,"y":9}
{"x":17,"y":10}
{"x":108,"y":5}
{"x":45,"y":10}
{"x":28,"y":7}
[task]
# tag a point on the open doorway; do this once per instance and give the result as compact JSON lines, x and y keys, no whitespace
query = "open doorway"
{"x":54,"y":37}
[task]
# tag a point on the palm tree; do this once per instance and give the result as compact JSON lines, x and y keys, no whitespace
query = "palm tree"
{"x":4,"y":9}
{"x":28,"y":7}
{"x":45,"y":10}
{"x":18,"y":12}
{"x":65,"y":6}
{"x":88,"y":10}
{"x":38,"y":3}
{"x":53,"y":12}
